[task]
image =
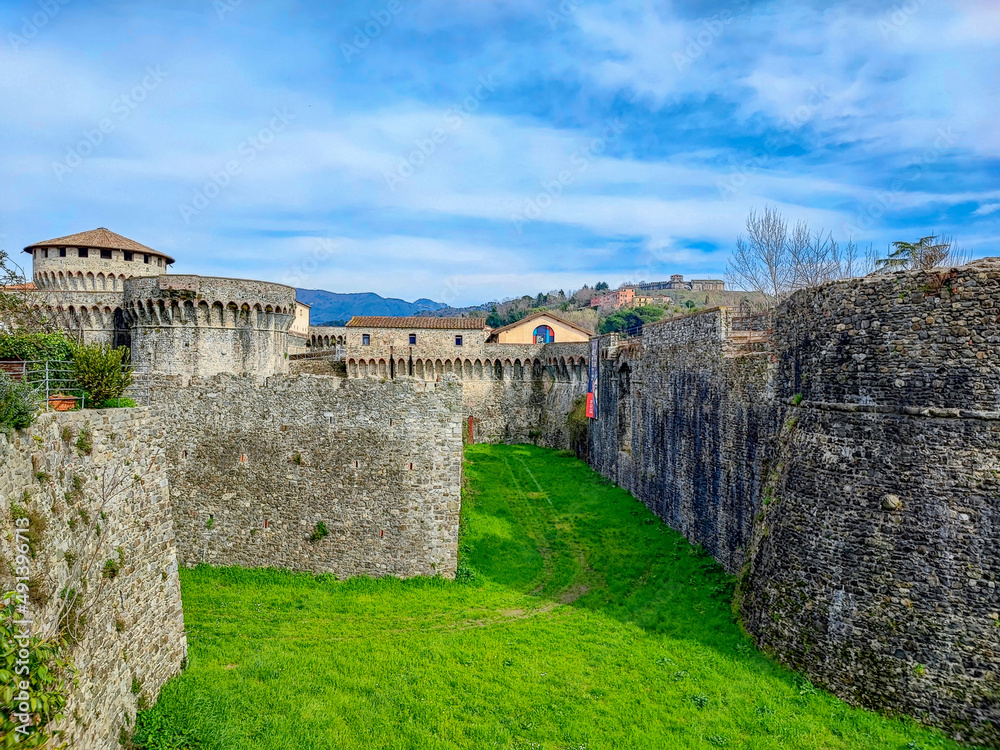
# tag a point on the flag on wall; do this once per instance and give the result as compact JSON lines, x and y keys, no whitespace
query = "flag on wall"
{"x":592,"y":371}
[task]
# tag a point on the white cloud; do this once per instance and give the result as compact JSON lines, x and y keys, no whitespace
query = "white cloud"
{"x":986,"y":209}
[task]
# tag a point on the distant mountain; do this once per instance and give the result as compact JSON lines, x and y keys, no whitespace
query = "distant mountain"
{"x":330,"y":306}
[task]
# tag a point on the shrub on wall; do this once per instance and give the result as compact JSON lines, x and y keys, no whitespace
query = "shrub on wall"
{"x":18,"y":404}
{"x":35,"y":346}
{"x":103,"y":372}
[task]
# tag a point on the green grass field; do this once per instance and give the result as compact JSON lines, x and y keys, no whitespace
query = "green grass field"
{"x":581,"y":622}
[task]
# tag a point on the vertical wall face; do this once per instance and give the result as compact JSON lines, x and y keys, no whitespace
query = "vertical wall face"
{"x":198,"y":326}
{"x":685,"y":428}
{"x":515,"y":393}
{"x":851,"y":475}
{"x":256,"y":468}
{"x":129,"y":627}
{"x":877,"y":566}
{"x":533,"y":397}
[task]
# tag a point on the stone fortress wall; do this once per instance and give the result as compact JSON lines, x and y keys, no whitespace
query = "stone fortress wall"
{"x":86,"y":506}
{"x":515,"y":393}
{"x":847,"y":468}
{"x":198,"y":326}
{"x":848,"y":471}
{"x":255,"y":467}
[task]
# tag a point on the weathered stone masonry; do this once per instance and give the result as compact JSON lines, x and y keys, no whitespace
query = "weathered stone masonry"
{"x":256,"y":467}
{"x":851,"y":474}
{"x":130,"y":639}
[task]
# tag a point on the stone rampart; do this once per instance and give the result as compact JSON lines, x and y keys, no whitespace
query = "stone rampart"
{"x":515,"y":393}
{"x":257,"y":467}
{"x":198,"y":326}
{"x":93,"y":486}
{"x":850,"y":473}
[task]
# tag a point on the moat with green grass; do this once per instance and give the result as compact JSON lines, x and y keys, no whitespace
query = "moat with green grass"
{"x":578,"y":620}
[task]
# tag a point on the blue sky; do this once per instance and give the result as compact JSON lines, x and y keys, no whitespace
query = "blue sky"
{"x":477,"y":149}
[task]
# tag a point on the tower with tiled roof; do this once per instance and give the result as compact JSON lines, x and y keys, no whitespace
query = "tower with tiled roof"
{"x":96,"y":261}
{"x":101,"y":287}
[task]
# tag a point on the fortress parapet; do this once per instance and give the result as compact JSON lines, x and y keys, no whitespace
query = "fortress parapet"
{"x":198,"y":326}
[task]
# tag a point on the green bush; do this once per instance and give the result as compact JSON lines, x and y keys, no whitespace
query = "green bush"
{"x":35,"y":346}
{"x":626,"y":320}
{"x":18,"y":404}
{"x":115,"y":403}
{"x":103,"y":372}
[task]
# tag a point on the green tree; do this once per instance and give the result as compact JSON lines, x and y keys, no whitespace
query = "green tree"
{"x":602,"y":286}
{"x":920,"y":255}
{"x":628,"y":320}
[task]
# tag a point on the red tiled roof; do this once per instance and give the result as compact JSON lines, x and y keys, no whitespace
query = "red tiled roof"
{"x":29,"y":287}
{"x":389,"y":321}
{"x":100,"y":238}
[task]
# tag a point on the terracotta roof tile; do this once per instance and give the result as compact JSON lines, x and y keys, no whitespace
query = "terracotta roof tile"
{"x":98,"y":238}
{"x":389,"y":321}
{"x":29,"y":287}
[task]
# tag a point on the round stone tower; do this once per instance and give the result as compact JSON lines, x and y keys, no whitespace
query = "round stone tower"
{"x":197,"y":326}
{"x":81,"y":281}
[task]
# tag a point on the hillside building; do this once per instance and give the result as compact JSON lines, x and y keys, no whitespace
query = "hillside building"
{"x":615,"y":300}
{"x":678,"y":283}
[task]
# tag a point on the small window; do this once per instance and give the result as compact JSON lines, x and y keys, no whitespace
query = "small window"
{"x":82,"y":252}
{"x":458,"y":341}
{"x":106,"y":254}
{"x":46,"y":253}
{"x":128,"y":255}
{"x":145,"y":259}
{"x":366,"y":339}
{"x":413,"y":339}
{"x":62,"y":252}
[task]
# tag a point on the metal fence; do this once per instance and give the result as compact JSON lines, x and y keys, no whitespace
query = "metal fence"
{"x":58,"y":390}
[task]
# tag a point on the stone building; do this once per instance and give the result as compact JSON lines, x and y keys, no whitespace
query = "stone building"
{"x":101,"y":287}
{"x":678,"y":283}
{"x":394,"y":346}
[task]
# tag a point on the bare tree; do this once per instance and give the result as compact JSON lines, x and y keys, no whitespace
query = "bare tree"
{"x":19,"y":308}
{"x":818,"y":258}
{"x":774,"y":262}
{"x":762,"y":259}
